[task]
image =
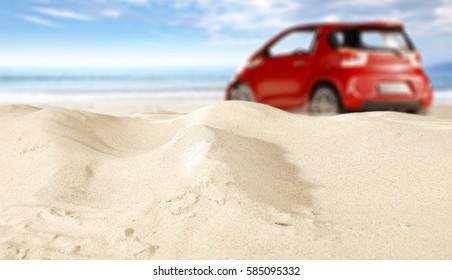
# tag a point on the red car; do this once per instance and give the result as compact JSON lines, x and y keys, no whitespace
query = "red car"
{"x":336,"y":68}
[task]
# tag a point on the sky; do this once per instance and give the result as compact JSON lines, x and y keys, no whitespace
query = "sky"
{"x":191,"y":33}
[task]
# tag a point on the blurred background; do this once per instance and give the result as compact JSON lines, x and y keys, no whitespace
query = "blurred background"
{"x":93,"y":54}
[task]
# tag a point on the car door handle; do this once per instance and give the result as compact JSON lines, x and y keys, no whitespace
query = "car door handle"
{"x":298,"y":63}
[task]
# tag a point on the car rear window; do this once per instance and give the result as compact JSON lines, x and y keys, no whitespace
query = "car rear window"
{"x":371,"y":39}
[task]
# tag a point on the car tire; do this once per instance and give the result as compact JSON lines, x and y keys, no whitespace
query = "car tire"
{"x":419,"y":111}
{"x":242,"y":92}
{"x":325,"y":101}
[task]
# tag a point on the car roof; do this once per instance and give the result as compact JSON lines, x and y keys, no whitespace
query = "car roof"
{"x":332,"y":26}
{"x":336,"y":25}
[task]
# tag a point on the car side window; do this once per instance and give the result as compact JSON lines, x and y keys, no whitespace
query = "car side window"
{"x":296,"y":42}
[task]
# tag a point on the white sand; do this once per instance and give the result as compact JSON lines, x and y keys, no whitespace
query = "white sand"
{"x":234,"y":180}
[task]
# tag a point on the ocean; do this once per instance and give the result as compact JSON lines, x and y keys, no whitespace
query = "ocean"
{"x":114,"y":80}
{"x":165,"y":82}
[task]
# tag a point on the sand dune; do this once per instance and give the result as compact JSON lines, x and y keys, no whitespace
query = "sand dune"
{"x":233,"y":180}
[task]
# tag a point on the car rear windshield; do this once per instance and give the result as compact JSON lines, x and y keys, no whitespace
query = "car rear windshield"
{"x":371,"y":39}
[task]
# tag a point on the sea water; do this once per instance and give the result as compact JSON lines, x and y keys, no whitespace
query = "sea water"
{"x":69,"y":80}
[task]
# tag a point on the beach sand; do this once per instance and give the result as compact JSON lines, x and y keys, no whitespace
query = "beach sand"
{"x":232,"y":180}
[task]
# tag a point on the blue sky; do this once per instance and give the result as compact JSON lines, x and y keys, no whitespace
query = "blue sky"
{"x":147,"y":33}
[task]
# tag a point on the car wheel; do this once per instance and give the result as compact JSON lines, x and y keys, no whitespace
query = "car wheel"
{"x":242,"y":92}
{"x":325,"y":101}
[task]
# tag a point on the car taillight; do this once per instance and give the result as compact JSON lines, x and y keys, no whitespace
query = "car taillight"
{"x":352,"y":58}
{"x":415,"y":59}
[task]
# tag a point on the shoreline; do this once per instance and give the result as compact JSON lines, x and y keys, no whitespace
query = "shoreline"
{"x":131,"y":103}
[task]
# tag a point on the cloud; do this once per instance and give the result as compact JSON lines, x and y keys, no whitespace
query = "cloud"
{"x":247,"y":15}
{"x":330,"y":18}
{"x":364,"y":3}
{"x":39,"y":21}
{"x":137,"y":2}
{"x":111,"y":13}
{"x":443,"y":20}
{"x":63,"y":13}
{"x":257,"y":18}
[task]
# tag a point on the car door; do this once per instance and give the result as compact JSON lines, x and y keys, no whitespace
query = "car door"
{"x":284,"y":70}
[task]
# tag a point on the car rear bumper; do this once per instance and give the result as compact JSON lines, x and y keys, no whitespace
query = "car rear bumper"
{"x":405,"y":105}
{"x":372,"y":92}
